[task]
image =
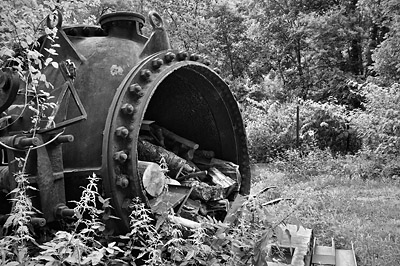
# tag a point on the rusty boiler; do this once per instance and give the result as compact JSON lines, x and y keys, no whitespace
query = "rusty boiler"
{"x":110,"y":79}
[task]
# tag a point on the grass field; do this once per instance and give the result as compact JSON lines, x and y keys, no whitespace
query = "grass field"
{"x":365,"y":212}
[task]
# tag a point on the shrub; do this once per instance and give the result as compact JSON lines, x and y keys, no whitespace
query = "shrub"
{"x":271,"y":128}
{"x":379,"y":125}
{"x":329,"y":125}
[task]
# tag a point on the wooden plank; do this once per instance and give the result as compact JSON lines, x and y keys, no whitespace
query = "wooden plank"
{"x":322,"y":250}
{"x":345,"y":258}
{"x":323,"y":260}
{"x":169,"y":199}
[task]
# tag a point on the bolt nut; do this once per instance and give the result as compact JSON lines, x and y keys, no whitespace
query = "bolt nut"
{"x":157,"y":63}
{"x":169,"y":57}
{"x":127,"y":109}
{"x":86,"y":31}
{"x":206,"y":62}
{"x":217,"y":70}
{"x":120,"y":156}
{"x":194,"y":57}
{"x":145,"y":74}
{"x":126,"y":204}
{"x":122,"y":132}
{"x":182,"y":56}
{"x":122,"y":181}
{"x":137,"y":89}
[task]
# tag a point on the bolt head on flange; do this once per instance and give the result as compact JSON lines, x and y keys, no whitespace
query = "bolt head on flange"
{"x":145,"y":74}
{"x":122,"y":181}
{"x":120,"y":156}
{"x":137,"y":89}
{"x":169,"y":57}
{"x":122,"y":132}
{"x":206,"y":62}
{"x":157,"y":63}
{"x":127,"y":109}
{"x":194,"y":57}
{"x":182,"y":56}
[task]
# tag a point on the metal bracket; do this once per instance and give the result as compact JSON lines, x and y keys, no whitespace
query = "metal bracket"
{"x":68,"y":71}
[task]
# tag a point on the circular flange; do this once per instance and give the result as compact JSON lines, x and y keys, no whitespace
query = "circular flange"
{"x":127,"y":112}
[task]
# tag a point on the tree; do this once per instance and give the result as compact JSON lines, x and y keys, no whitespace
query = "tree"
{"x":383,"y":53}
{"x":230,"y":44}
{"x":314,"y":46}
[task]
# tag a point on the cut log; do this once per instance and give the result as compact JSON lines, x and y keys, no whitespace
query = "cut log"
{"x":227,"y":168}
{"x":153,"y":153}
{"x":146,"y":125}
{"x":190,"y":209}
{"x":201,"y":176}
{"x":205,"y":154}
{"x":218,"y":178}
{"x":204,"y":192}
{"x":158,"y":135}
{"x":185,"y":222}
{"x":152,"y":176}
{"x":171,"y":135}
{"x":188,"y":154}
{"x":170,"y":181}
{"x":220,"y":205}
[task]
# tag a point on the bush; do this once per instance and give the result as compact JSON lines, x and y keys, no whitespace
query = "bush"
{"x":329,"y":125}
{"x":379,"y":125}
{"x":271,"y":128}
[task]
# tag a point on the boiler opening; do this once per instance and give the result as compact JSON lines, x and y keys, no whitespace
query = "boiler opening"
{"x":190,"y":105}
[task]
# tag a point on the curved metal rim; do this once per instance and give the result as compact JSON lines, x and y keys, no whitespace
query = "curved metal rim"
{"x":12,"y":82}
{"x":121,"y":15}
{"x":115,"y":119}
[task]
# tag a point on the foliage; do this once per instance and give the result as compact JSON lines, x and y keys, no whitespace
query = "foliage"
{"x":14,"y":247}
{"x":384,"y":37}
{"x":82,"y":245}
{"x":231,"y":45}
{"x":339,"y":202}
{"x":378,"y":125}
{"x":239,"y":240}
{"x":271,"y":128}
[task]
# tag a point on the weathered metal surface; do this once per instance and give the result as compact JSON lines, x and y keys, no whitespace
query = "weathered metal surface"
{"x":9,"y":84}
{"x":119,"y":79}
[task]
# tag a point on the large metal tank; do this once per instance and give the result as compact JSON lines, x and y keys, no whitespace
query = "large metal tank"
{"x":110,"y":79}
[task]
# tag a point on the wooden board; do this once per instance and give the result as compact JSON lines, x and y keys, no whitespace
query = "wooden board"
{"x":169,"y":199}
{"x":345,"y":258}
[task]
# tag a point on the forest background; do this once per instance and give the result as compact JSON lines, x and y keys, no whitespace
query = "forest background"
{"x":336,"y":61}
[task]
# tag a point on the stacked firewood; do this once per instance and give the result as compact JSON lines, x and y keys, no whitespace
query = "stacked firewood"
{"x":210,"y":183}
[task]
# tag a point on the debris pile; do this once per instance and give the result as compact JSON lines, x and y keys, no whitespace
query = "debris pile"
{"x":198,"y":183}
